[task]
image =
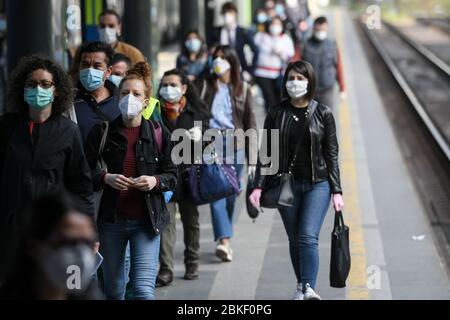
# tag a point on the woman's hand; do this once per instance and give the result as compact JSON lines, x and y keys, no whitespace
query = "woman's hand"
{"x":118,"y":181}
{"x":195,"y":134}
{"x":145,"y":183}
{"x":255,"y":198}
{"x":338,"y":202}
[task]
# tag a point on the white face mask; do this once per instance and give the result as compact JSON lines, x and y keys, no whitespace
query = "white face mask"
{"x":276,"y":29}
{"x":130,"y":106}
{"x":320,"y":35}
{"x":56,"y":264}
{"x":297,"y":88}
{"x":221,"y":66}
{"x":171,"y":94}
{"x":108,"y":35}
{"x":229,"y":19}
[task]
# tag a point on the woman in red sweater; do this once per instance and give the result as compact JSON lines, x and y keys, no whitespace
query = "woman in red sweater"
{"x":132,"y":209}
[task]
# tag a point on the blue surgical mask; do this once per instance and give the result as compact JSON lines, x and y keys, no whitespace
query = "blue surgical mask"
{"x":193,"y":45}
{"x":115,"y":79}
{"x":92,"y":79}
{"x":279,"y":9}
{"x":38,"y":98}
{"x":261,"y":18}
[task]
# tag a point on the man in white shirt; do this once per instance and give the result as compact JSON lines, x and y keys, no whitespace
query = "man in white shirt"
{"x":235,"y":36}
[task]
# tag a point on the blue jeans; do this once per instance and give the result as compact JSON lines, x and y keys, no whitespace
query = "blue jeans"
{"x":144,"y":253}
{"x":223,"y":210}
{"x":303,"y":222}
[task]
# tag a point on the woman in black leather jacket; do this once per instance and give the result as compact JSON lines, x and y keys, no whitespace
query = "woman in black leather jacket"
{"x":314,"y":165}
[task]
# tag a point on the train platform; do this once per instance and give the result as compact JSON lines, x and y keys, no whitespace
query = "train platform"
{"x":395,"y":252}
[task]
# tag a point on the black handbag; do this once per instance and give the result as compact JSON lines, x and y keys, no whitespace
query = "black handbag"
{"x":340,"y":261}
{"x":277,"y":191}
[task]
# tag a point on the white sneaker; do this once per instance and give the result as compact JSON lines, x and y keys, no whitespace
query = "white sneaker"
{"x":298,"y":295}
{"x":224,"y":252}
{"x":310,"y":294}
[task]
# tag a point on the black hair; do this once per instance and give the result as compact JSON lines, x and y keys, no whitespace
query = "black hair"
{"x":235,"y":70}
{"x":305,"y":69}
{"x":36,"y":224}
{"x":320,"y":20}
{"x":192,"y":94}
{"x":118,"y":57}
{"x":64,"y":96}
{"x":48,"y":211}
{"x":97,"y":46}
{"x":111,"y":12}
{"x":229,"y":6}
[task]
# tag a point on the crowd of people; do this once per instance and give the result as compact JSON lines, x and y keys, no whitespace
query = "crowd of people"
{"x":87,"y":170}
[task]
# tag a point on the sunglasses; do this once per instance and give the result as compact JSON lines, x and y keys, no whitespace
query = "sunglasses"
{"x":44,"y":84}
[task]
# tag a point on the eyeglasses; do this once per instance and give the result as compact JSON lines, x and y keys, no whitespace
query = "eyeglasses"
{"x":44,"y":84}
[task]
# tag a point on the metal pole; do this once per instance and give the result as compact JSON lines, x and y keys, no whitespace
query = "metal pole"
{"x":257,"y":4}
{"x":189,"y":16}
{"x":209,"y":20}
{"x":29,"y":29}
{"x":137,"y":25}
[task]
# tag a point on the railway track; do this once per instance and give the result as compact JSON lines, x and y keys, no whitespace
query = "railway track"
{"x":440,"y":23}
{"x":423,"y":77}
{"x":415,"y":90}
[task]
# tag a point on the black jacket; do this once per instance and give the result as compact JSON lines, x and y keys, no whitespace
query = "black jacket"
{"x":149,"y":163}
{"x":54,"y":163}
{"x":324,"y":144}
{"x":243,"y":37}
{"x":192,"y":113}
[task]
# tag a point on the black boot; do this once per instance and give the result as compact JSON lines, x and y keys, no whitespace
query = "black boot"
{"x":164,"y":278}
{"x":191,"y":271}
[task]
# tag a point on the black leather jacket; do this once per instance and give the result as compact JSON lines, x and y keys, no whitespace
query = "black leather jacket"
{"x":324,"y":144}
{"x":149,"y":163}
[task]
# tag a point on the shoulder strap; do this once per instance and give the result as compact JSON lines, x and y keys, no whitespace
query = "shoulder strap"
{"x":105,"y":130}
{"x":245,"y":87}
{"x":97,"y":110}
{"x":157,"y":134}
{"x":72,"y":114}
{"x":203,"y":93}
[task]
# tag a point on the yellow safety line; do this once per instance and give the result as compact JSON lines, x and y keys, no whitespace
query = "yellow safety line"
{"x":357,"y":280}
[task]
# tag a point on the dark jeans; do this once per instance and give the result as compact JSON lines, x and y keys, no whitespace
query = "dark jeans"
{"x":303,"y":222}
{"x":191,"y":230}
{"x":270,"y":90}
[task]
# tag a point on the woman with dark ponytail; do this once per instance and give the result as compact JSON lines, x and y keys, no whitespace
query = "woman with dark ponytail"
{"x":183,"y":109}
{"x":133,"y":208}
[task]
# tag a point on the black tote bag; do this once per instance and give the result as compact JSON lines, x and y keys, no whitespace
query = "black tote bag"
{"x":340,"y":261}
